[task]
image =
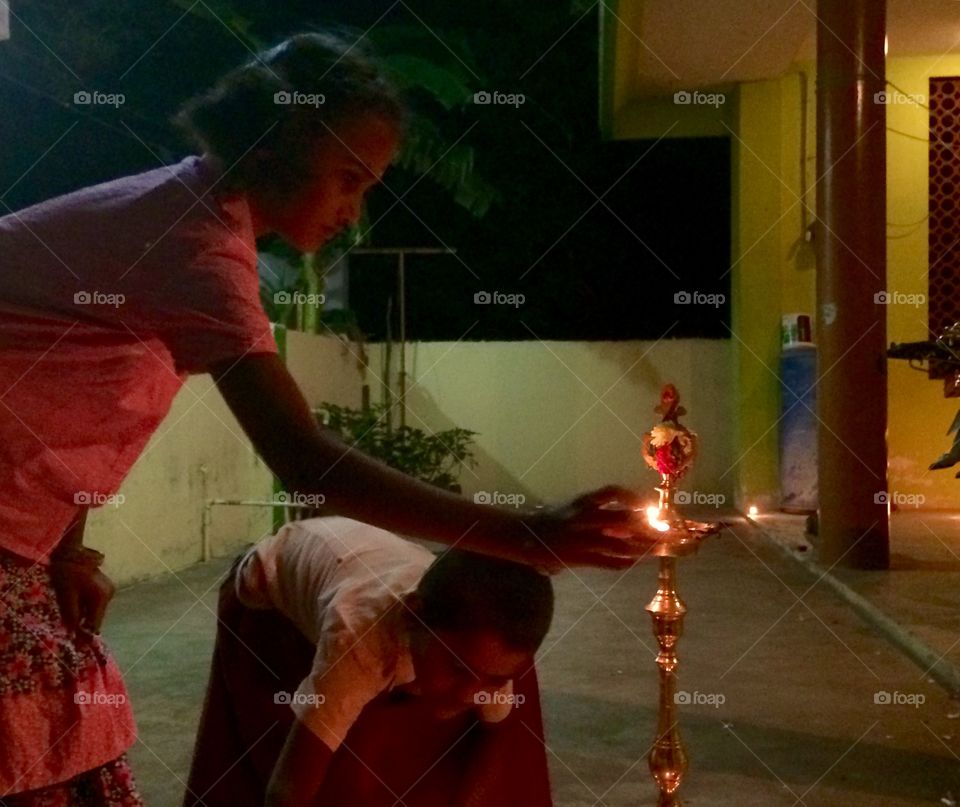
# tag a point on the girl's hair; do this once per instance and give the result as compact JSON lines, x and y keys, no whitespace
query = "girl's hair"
{"x":261,"y":121}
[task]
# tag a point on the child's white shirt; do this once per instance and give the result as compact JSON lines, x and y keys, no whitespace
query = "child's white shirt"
{"x":341,"y":583}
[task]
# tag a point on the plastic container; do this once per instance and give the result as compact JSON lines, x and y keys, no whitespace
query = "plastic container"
{"x":798,"y":429}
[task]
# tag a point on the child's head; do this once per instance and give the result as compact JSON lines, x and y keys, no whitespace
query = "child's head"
{"x":304,"y":130}
{"x":476,"y":623}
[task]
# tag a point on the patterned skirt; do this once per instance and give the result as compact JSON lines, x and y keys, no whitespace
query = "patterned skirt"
{"x":65,"y":719}
{"x":110,"y":785}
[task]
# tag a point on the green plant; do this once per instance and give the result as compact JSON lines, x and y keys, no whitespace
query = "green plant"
{"x":433,"y":458}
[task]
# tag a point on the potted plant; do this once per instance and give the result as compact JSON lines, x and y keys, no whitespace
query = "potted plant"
{"x":433,"y":458}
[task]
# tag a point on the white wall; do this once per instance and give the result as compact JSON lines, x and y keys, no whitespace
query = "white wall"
{"x":201,"y":453}
{"x":326,"y":368}
{"x":554,"y":419}
{"x":559,"y":418}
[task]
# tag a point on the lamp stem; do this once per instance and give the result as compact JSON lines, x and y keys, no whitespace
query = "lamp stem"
{"x":668,"y":758}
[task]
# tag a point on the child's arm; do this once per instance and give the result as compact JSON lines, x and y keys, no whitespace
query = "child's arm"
{"x":300,"y":770}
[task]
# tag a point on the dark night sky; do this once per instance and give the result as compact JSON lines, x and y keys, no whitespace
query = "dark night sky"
{"x":607,"y":278}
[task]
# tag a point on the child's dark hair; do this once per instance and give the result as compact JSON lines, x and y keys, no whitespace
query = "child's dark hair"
{"x":256,"y":132}
{"x":466,"y":591}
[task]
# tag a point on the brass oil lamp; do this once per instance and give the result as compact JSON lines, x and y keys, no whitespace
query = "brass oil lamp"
{"x":670,"y":449}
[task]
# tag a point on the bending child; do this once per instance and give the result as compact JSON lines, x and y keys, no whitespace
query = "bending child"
{"x":353,"y":666}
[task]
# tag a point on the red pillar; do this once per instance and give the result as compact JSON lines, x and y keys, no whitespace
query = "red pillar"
{"x":851,"y":272}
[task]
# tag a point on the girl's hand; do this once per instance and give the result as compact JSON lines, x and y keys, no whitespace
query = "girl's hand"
{"x":83,"y":593}
{"x":605,"y":528}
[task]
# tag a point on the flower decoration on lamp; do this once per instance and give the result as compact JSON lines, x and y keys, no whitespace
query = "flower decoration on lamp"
{"x":669,"y":447}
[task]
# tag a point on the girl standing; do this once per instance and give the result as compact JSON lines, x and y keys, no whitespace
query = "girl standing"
{"x":110,"y":297}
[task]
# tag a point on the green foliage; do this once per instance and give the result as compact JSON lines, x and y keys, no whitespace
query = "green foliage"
{"x":438,"y":84}
{"x":445,"y":86}
{"x":427,"y":151}
{"x":433,"y":458}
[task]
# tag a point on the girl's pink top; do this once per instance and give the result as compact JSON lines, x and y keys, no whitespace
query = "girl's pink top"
{"x":109,"y":298}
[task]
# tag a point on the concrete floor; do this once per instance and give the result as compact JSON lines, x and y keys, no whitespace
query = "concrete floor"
{"x":797,"y":670}
{"x":922,"y":588}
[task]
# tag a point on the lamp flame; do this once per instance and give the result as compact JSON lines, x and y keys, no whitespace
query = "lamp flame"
{"x":653,"y":517}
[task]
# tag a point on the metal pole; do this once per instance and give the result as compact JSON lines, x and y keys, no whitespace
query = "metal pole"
{"x":401,"y":253}
{"x":668,"y":757}
{"x":851,"y":280}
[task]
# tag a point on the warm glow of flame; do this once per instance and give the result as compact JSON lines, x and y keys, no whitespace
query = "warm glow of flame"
{"x":753,"y":511}
{"x":653,"y":516}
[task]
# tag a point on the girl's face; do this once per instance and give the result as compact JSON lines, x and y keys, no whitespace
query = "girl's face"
{"x":349,"y":160}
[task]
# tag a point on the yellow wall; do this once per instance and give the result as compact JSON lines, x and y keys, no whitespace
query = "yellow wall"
{"x":199,"y":453}
{"x":327,"y":368}
{"x":558,"y":418}
{"x":543,"y":433}
{"x":757,"y":276}
{"x":919,"y":414}
{"x":772,"y":263}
